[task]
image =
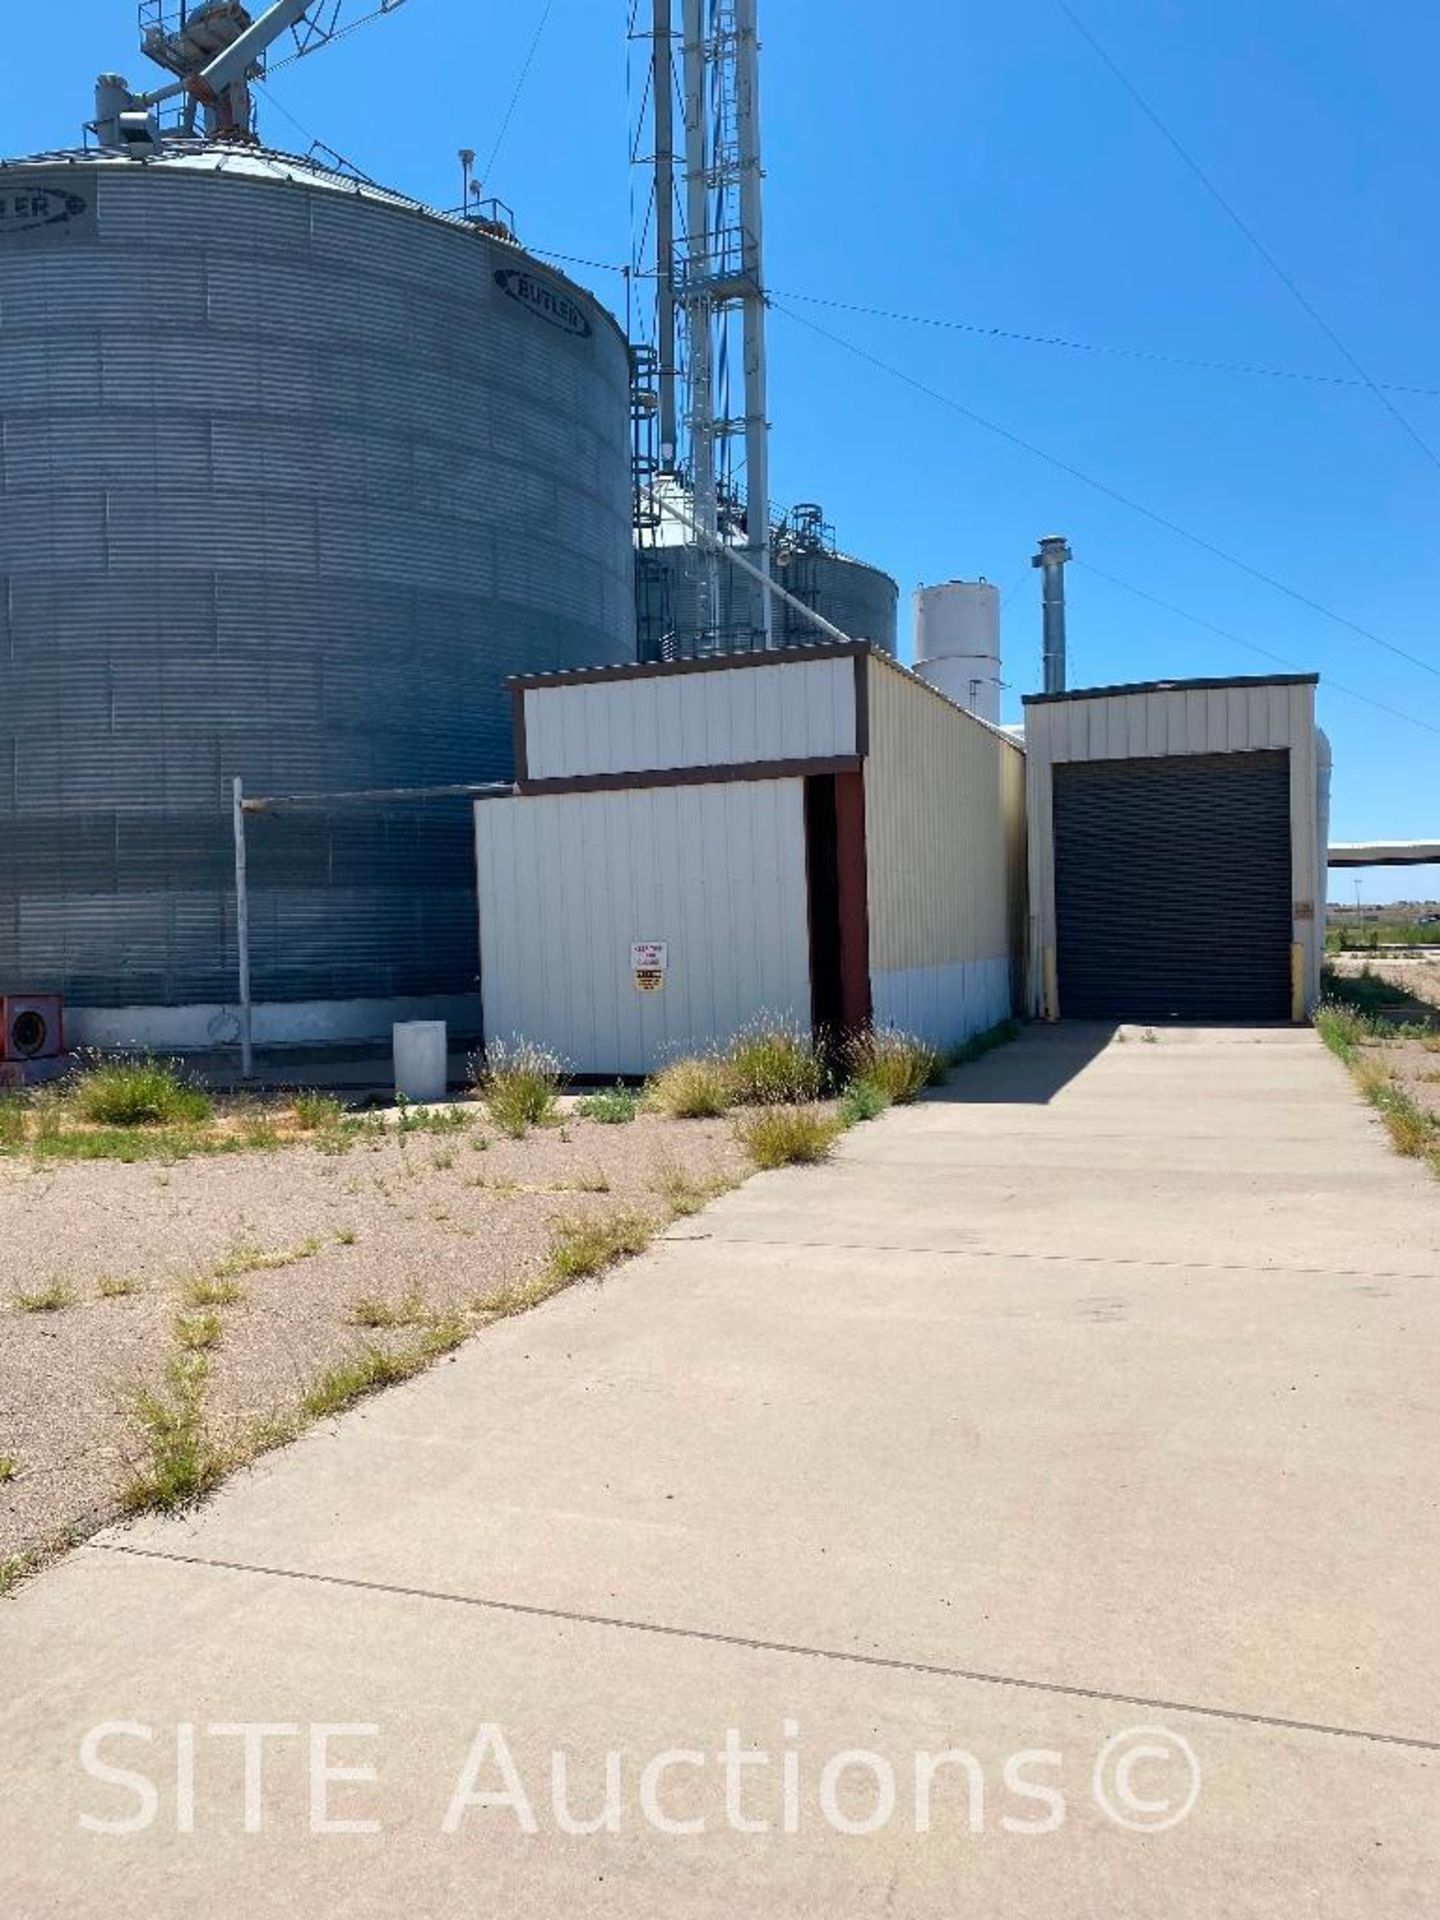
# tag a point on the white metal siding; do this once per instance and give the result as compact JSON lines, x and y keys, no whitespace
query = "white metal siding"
{"x":568,"y":882}
{"x":1183,"y":720}
{"x":795,"y":710}
{"x":944,"y":804}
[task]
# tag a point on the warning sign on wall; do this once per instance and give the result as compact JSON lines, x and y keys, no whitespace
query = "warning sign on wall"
{"x":650,"y":962}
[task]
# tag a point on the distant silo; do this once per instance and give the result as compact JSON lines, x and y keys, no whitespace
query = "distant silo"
{"x":957,"y":644}
{"x":861,"y":600}
{"x":295,"y":474}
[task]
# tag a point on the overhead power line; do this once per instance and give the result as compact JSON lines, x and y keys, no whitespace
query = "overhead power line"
{"x":981,"y":331}
{"x":1237,"y":219}
{"x":581,"y":260}
{"x":978,"y":329}
{"x":1252,"y":646}
{"x":624,"y":268}
{"x":1110,"y":493}
{"x":529,"y":62}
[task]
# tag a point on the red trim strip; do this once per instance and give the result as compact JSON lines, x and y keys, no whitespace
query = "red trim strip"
{"x":854,"y":900}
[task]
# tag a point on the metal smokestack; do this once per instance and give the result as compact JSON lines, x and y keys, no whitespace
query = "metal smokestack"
{"x":1052,"y":559}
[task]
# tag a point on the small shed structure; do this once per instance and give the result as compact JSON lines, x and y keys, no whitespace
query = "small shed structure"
{"x":815,"y":836}
{"x":1178,"y":839}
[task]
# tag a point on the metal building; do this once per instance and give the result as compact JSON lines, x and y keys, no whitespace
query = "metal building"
{"x":1178,"y":834}
{"x":295,"y":475}
{"x":812,"y":835}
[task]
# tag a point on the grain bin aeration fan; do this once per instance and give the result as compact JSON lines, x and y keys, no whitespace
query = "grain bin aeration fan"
{"x":32,"y":1027}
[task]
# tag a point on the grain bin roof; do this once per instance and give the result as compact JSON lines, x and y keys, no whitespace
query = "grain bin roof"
{"x":203,"y":156}
{"x":272,"y":164}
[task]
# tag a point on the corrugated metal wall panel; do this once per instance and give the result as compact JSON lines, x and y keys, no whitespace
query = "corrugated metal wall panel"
{"x":1014,"y":809}
{"x":795,"y":710}
{"x":1169,"y":721}
{"x":1173,"y":887}
{"x":288,"y":488}
{"x":569,"y":882}
{"x":944,"y":828}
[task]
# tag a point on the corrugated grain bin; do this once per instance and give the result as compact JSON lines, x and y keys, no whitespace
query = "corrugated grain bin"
{"x":858,"y":599}
{"x":295,"y":474}
{"x":814,"y":836}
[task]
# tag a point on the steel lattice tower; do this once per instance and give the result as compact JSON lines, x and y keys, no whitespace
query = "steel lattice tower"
{"x":710,"y":294}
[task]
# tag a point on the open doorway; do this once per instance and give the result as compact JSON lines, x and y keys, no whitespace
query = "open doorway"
{"x":838,"y":903}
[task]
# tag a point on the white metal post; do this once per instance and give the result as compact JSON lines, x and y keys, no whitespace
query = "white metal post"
{"x":242,"y":934}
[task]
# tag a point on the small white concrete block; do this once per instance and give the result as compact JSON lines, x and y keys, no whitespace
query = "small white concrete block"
{"x":421,"y":1052}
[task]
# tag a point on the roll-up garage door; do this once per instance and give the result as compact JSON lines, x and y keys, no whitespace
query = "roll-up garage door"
{"x":1173,"y":887}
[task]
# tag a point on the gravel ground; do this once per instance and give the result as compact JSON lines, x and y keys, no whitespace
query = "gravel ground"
{"x":454,"y":1217}
{"x":1417,"y":981}
{"x":1419,"y":978}
{"x":1418,"y":1071}
{"x":1415,"y":1062}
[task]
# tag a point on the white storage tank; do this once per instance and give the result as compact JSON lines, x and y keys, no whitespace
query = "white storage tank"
{"x":957,"y":644}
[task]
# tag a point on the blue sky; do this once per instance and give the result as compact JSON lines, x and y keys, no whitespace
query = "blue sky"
{"x":988,"y":171}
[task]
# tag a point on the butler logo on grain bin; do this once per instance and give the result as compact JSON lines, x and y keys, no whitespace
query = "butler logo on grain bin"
{"x":31,"y":209}
{"x":549,"y":302}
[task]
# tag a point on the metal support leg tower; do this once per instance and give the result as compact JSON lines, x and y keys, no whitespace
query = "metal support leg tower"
{"x":696,"y":275}
{"x":702,"y":242}
{"x":752,"y":300}
{"x":723,"y":296}
{"x":662,"y":94}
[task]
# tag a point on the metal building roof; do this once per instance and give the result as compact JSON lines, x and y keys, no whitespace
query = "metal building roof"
{"x":1385,"y":853}
{"x":1240,"y":680}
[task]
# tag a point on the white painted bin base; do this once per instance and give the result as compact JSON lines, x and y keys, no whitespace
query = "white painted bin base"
{"x":421,"y":1057}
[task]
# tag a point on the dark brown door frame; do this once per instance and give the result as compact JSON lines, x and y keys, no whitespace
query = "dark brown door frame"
{"x":839,"y":906}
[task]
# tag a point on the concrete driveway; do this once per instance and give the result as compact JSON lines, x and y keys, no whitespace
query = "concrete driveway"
{"x":1099,"y":1393}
